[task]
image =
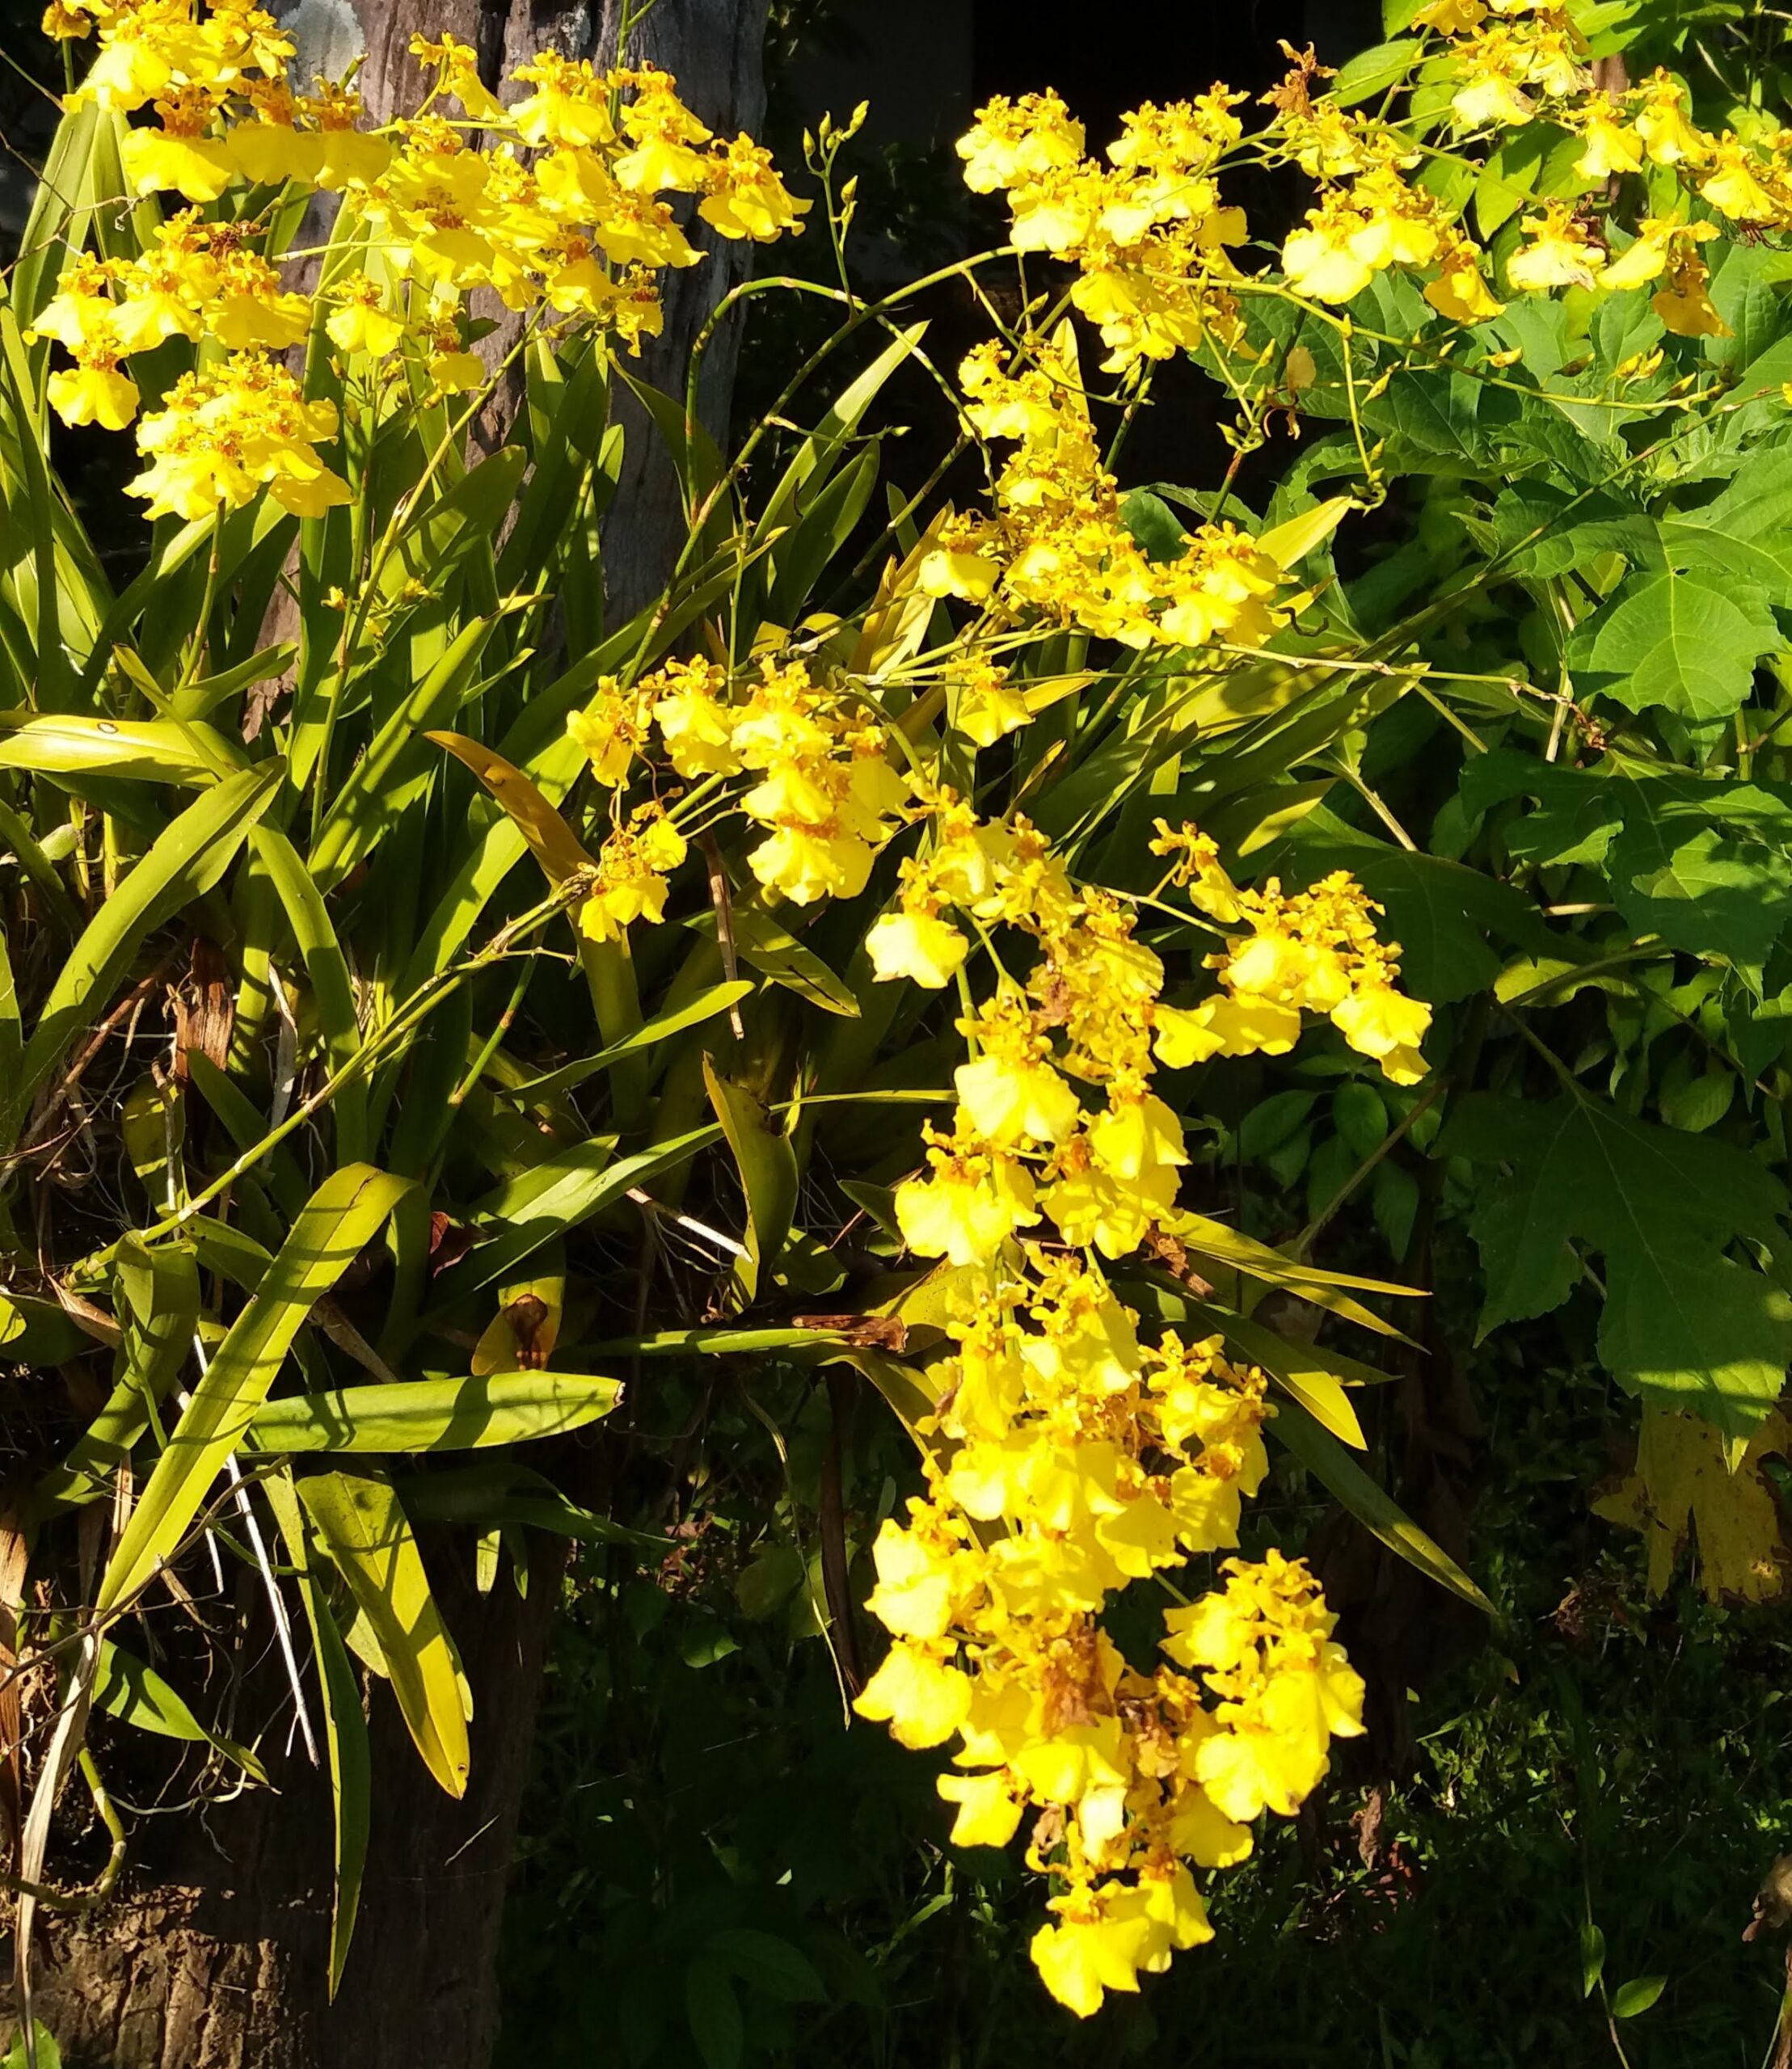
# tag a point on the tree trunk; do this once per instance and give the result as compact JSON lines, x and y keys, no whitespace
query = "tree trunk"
{"x":212,"y":1952}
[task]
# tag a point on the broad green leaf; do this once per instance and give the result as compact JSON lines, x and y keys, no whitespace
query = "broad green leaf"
{"x":1710,"y":889}
{"x":715,"y":999}
{"x":766,"y":1160}
{"x":1509,"y":178}
{"x":1630,"y":1999}
{"x":1156,"y":528}
{"x":431,"y":1415}
{"x":1371,"y":73}
{"x":361,"y":1526}
{"x":771,"y":950}
{"x":713,"y":2012}
{"x":187,"y":859}
{"x":765,"y":1961}
{"x":1542,"y":529}
{"x":1683,"y":1324}
{"x":342,"y":1216}
{"x":1577,"y":813}
{"x":153,"y":750}
{"x":1592,"y":1959}
{"x":43,"y":2051}
{"x":1376,"y":1511}
{"x":137,"y":1696}
{"x":1689,"y":643}
{"x":1440,"y":912}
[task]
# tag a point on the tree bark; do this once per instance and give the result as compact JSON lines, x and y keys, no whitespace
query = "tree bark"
{"x":212,"y":1952}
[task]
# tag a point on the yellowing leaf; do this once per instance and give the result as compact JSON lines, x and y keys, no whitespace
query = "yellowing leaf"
{"x":360,"y":1525}
{"x":1287,"y":544}
{"x":1681,"y":1474}
{"x":551,"y":841}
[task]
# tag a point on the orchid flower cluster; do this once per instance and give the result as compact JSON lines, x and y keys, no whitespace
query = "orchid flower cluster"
{"x":551,"y":205}
{"x":1152,"y":240}
{"x":1066,"y":1459}
{"x":1057,"y":547}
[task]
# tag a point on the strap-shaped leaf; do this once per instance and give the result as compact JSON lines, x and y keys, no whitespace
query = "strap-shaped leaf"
{"x":436,"y":1415}
{"x":716,"y":999}
{"x":560,"y":1192}
{"x":187,"y":859}
{"x":331,"y":989}
{"x":339,"y":1220}
{"x":552,"y":842}
{"x":1305,"y":1373}
{"x":156,"y":1300}
{"x":1373,"y":1507}
{"x":767,"y":1165}
{"x":776,"y":954}
{"x":345,"y":1724}
{"x":362,"y":1526}
{"x":397,"y":767}
{"x":133,"y":1692}
{"x":1231,"y":1250}
{"x":148,"y":750}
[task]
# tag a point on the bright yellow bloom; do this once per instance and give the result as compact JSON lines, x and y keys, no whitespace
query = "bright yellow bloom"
{"x":1667,"y":135}
{"x":1561,"y":253}
{"x":632,"y":868}
{"x":973,"y":1200}
{"x":1016,"y":140}
{"x":362,"y":323}
{"x":98,"y":395}
{"x":918,"y":1693}
{"x":918,"y":946}
{"x":1461,"y":291}
{"x":569,"y":104}
{"x":1736,"y":184}
{"x":223,"y":434}
{"x":1608,"y":148}
{"x":989,"y":1810}
{"x":746,"y":198}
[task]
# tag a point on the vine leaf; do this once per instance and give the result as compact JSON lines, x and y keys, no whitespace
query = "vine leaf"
{"x":1688,"y":642}
{"x":1684,"y":1326}
{"x":1682,"y":1482}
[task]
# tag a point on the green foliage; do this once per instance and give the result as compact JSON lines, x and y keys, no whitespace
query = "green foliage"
{"x":437,"y":1171}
